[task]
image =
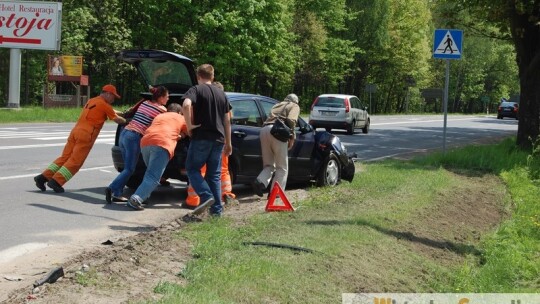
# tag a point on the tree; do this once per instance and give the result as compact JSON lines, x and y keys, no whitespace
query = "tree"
{"x":519,"y":18}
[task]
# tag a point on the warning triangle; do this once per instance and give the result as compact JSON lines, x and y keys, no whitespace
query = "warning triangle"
{"x":270,"y":206}
{"x":447,"y":46}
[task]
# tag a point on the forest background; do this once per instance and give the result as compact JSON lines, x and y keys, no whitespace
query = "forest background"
{"x":274,"y":47}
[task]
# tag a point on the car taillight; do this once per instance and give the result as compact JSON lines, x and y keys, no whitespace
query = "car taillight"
{"x":500,"y":108}
{"x":515,"y":109}
{"x":314,"y":102}
{"x":347,"y":105}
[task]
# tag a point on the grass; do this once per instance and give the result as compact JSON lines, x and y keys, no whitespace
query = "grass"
{"x":511,"y":259}
{"x":40,"y":114}
{"x":352,"y":231}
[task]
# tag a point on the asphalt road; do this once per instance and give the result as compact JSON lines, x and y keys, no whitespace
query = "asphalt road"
{"x":34,"y":222}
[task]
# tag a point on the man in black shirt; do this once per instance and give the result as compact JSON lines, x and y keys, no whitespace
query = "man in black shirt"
{"x":206,"y":109}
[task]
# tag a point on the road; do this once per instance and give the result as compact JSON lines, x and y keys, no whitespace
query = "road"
{"x":41,"y":228}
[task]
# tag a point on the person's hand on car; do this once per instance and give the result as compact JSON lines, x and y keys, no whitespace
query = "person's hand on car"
{"x":290,"y":143}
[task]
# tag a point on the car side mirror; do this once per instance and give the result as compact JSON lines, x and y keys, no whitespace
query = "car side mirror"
{"x":306,"y":129}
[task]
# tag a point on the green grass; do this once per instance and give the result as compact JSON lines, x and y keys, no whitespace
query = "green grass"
{"x":352,"y":231}
{"x":511,"y":259}
{"x":39,"y":114}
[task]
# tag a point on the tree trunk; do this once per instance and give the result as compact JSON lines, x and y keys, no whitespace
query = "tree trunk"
{"x":525,"y":33}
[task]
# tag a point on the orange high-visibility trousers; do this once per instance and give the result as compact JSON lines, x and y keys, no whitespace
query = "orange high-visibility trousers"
{"x":193,"y":200}
{"x":77,"y":148}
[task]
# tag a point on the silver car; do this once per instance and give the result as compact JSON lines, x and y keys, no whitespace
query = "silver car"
{"x":339,"y":111}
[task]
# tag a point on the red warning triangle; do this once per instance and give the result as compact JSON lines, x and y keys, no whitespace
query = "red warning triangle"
{"x":275,"y":191}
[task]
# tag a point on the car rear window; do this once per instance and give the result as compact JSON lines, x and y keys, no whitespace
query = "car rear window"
{"x":331,"y":102}
{"x":168,"y":72}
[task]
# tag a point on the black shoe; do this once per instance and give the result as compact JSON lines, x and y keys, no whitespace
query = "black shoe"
{"x":55,"y":186}
{"x":40,"y":182}
{"x":186,"y":206}
{"x":110,"y":198}
{"x":257,"y":187}
{"x":203,"y":206}
{"x":108,"y":195}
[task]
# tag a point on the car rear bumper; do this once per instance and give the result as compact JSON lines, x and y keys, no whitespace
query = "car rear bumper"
{"x":329,"y":124}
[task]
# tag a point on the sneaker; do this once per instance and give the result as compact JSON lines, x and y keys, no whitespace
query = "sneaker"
{"x":53,"y":184}
{"x":164,"y":182}
{"x":257,"y":187}
{"x":40,"y":182}
{"x":203,"y":206}
{"x":134,"y":203}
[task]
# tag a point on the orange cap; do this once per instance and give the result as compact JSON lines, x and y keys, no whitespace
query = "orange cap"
{"x":111,"y":89}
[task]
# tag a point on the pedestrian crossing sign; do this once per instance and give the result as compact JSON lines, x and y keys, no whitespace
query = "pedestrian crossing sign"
{"x":447,"y":44}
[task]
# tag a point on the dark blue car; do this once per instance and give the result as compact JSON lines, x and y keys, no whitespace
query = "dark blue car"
{"x":317,"y":156}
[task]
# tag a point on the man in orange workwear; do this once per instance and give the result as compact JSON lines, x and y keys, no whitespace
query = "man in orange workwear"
{"x":80,"y":140}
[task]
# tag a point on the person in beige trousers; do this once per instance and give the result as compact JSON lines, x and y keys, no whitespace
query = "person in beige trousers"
{"x":274,"y":151}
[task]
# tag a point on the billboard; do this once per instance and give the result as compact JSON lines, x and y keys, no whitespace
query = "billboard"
{"x":65,"y":65}
{"x":30,"y":25}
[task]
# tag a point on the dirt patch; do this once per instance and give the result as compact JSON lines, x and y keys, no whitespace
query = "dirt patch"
{"x":130,"y":268}
{"x":446,"y":230}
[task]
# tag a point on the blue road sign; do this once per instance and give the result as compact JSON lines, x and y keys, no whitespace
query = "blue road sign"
{"x":447,"y":44}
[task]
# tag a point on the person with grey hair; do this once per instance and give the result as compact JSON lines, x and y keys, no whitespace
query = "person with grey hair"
{"x":274,"y":151}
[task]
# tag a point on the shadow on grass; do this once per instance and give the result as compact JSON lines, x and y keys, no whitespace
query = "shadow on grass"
{"x":460,"y":249}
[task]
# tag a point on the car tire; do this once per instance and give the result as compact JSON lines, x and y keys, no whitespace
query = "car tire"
{"x":134,"y":181}
{"x":350,"y":129}
{"x":365,"y":129}
{"x":330,"y":172}
{"x":499,"y":117}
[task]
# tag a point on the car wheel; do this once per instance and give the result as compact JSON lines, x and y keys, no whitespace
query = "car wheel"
{"x":499,"y":117}
{"x":330,"y":172}
{"x":350,"y":129}
{"x":365,"y":129}
{"x":134,"y":182}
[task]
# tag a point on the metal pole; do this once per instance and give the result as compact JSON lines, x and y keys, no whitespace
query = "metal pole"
{"x":14,"y":97}
{"x":370,"y":110}
{"x":445,"y":102}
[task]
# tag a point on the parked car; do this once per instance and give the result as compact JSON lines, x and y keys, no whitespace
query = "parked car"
{"x":338,"y":111}
{"x":508,"y":109}
{"x":316,"y":155}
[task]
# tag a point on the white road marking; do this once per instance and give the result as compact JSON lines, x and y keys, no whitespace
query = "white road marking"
{"x":98,"y":141}
{"x":34,"y":174}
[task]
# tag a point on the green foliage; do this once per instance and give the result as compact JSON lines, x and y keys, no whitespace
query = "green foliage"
{"x":277,"y":47}
{"x":533,"y":161}
{"x":504,"y":156}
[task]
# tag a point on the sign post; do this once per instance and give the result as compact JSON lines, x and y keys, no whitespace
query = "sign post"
{"x":371,"y":88}
{"x":27,"y":25}
{"x":447,"y":44}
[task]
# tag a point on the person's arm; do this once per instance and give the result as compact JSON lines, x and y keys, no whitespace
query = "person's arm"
{"x":186,"y":110}
{"x":119,"y":120}
{"x":227,"y":149}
